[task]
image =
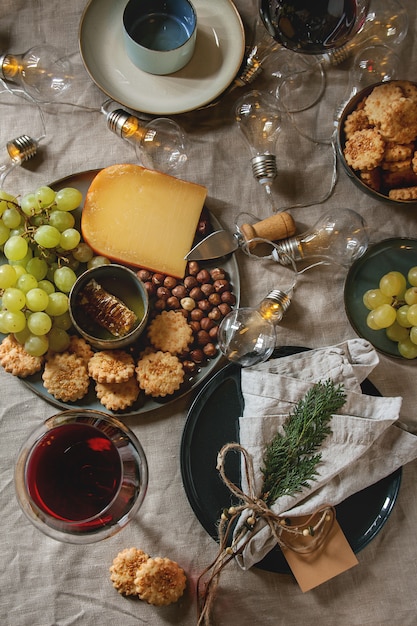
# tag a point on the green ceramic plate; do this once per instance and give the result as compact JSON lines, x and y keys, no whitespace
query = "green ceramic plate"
{"x":390,"y":254}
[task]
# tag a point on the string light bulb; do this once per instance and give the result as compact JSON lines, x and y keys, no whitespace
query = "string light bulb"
{"x":262,"y":47}
{"x":338,"y":237}
{"x":160,"y":144}
{"x":43,"y":72}
{"x":14,"y":153}
{"x":259,"y":118}
{"x":247,"y":336}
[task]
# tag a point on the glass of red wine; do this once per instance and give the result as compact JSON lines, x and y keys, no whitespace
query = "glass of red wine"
{"x":81,"y":476}
{"x":312,"y":29}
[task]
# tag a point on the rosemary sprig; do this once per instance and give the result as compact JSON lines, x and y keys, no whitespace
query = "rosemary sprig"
{"x":291,"y":458}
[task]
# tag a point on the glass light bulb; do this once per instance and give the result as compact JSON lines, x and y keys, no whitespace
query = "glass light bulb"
{"x":159,"y":144}
{"x":247,"y":336}
{"x":258,"y":117}
{"x":386,"y":22}
{"x":44,"y":72}
{"x":338,"y":237}
{"x":262,"y":47}
{"x":14,"y":153}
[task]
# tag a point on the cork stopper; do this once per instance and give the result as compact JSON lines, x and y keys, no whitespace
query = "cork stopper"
{"x":274,"y":228}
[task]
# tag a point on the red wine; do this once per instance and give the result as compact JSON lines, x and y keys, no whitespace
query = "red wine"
{"x":310,"y":26}
{"x":74,"y":472}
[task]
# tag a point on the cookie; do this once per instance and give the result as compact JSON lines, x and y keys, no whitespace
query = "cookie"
{"x":365,"y":149}
{"x":123,"y":570}
{"x":357,"y":120}
{"x":118,"y":396}
{"x":406,"y":193}
{"x":111,"y":366}
{"x":160,"y":581}
{"x":15,"y":360}
{"x":170,"y":332}
{"x":80,"y":347}
{"x":65,"y":377}
{"x":159,"y":373}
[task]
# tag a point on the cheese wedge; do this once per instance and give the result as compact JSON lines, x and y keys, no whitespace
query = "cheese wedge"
{"x":142,"y":217}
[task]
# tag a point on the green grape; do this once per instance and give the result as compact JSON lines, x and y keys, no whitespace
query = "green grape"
{"x":5,"y":200}
{"x":47,"y":286}
{"x":39,"y":323}
{"x":61,"y":220}
{"x":11,"y":217}
{"x":37,"y":299}
{"x":410,"y":295}
{"x":26,"y":282}
{"x":7,"y":276}
{"x":30,"y":205}
{"x":96,"y":261}
{"x":402,"y":318}
{"x":13,"y":299}
{"x":83,"y":253}
{"x":412,"y":315}
{"x":393,"y":283}
{"x":57,"y":304}
{"x":70,"y":239}
{"x":45,"y":196}
{"x":63,"y":321}
{"x":374,"y":298}
{"x":17,"y":231}
{"x":59,"y":339}
{"x":14,"y":321}
{"x":3,"y":328}
{"x":64,"y":278}
{"x":23,"y":261}
{"x":15,"y":248}
{"x":36,"y":345}
{"x":37,"y":267}
{"x":19,"y":269}
{"x":22,"y":335}
{"x":68,"y":199}
{"x":407,"y":349}
{"x":370,"y":322}
{"x":412,"y":276}
{"x":52,"y":267}
{"x":384,"y":316}
{"x":4,"y":233}
{"x":395,"y":332}
{"x":47,"y":236}
{"x":413,"y":334}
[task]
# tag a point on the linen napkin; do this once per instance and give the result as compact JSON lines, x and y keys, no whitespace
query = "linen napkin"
{"x":365,"y":444}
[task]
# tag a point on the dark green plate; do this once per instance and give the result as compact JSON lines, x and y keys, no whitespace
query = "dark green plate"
{"x":399,"y":254}
{"x":213,"y":420}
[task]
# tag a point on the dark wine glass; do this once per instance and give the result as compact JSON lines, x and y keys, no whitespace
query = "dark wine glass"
{"x":313,"y":26}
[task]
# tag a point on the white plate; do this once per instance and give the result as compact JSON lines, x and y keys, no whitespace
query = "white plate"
{"x":219,"y":51}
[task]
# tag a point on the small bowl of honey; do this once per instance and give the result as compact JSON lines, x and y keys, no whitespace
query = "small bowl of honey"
{"x":109,"y":306}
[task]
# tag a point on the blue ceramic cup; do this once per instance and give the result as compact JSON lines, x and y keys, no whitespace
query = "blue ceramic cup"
{"x":159,"y":34}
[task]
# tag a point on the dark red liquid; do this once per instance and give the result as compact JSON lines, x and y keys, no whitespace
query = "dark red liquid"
{"x":74,"y":473}
{"x":309,"y":26}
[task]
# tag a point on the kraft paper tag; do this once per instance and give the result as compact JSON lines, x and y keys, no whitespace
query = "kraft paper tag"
{"x":330,"y":559}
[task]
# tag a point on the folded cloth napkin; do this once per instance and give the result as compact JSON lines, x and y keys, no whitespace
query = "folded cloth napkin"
{"x":365,"y":444}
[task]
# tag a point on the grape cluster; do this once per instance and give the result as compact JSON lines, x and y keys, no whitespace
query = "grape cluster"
{"x":393,"y":307}
{"x":43,"y":251}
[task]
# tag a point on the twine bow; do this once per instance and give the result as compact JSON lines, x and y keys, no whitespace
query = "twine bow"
{"x":303,"y":538}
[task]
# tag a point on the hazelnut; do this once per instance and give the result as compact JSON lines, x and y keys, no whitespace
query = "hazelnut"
{"x":158,"y":279}
{"x":170,"y":282}
{"x":150,"y":288}
{"x":163,"y":293}
{"x":218,"y":273}
{"x":207,"y":289}
{"x":196,"y":293}
{"x":197,"y":315}
{"x":214,"y":298}
{"x":190,"y":282}
{"x":189,"y":366}
{"x":213,"y":333}
{"x":204,"y":305}
{"x":210,"y":350}
{"x":203,"y":337}
{"x":144,"y":275}
{"x":215,"y":314}
{"x":203,"y":276}
{"x":207,"y":323}
{"x":221,"y":285}
{"x":193,"y":268}
{"x":224,"y":308}
{"x":195,"y":326}
{"x":160,"y":305}
{"x":197,"y":355}
{"x":228,"y":297}
{"x":179,"y":291}
{"x":187,"y":303}
{"x":173,"y":303}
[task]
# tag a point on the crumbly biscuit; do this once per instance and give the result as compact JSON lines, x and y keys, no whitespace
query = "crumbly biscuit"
{"x":80,"y":347}
{"x":380,"y":99}
{"x":160,"y":581}
{"x":408,"y":88}
{"x":65,"y":377}
{"x":396,"y":166}
{"x":123,"y":570}
{"x":15,"y":360}
{"x":399,"y":124}
{"x":118,"y":396}
{"x":406,"y":193}
{"x":365,"y":149}
{"x":357,"y":120}
{"x":170,"y":332}
{"x":159,"y":373}
{"x":414,"y":162}
{"x":111,"y":366}
{"x":398,"y":152}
